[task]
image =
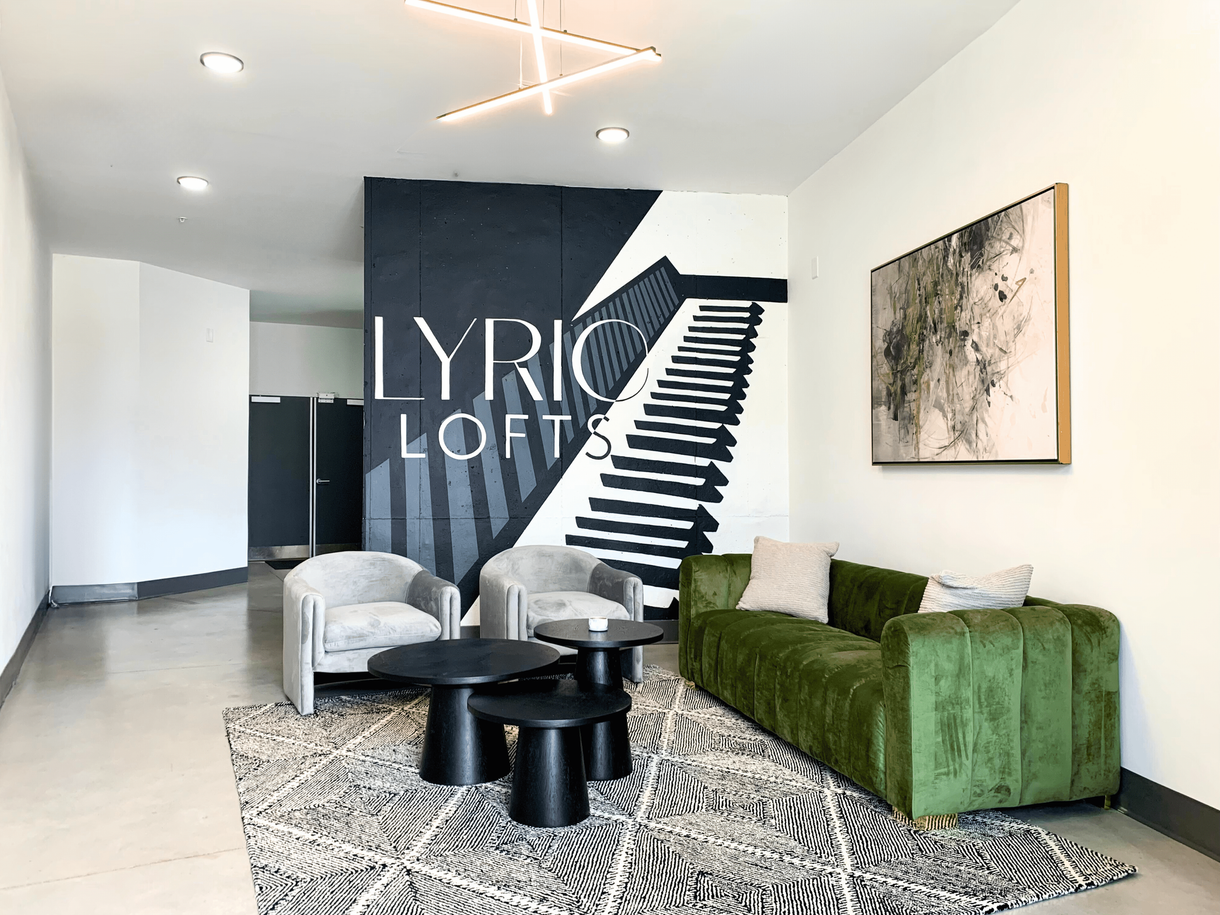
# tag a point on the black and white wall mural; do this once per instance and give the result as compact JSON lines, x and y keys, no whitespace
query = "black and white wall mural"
{"x":600,"y":368}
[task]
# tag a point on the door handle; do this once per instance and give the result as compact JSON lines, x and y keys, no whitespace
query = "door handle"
{"x":321,"y":481}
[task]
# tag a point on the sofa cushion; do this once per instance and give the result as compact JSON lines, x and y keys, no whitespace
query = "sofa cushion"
{"x":383,"y":624}
{"x":545,"y":606}
{"x":817,"y":687}
{"x":864,"y":598}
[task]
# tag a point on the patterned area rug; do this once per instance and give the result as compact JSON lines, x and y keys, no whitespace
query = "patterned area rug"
{"x":718,"y":817}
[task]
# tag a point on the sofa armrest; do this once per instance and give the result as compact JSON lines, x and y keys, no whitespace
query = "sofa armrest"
{"x":621,"y":587}
{"x":1096,"y":752}
{"x":705,"y":583}
{"x":627,"y":589}
{"x":437,"y":598}
{"x":304,"y":612}
{"x":999,"y":708}
{"x":502,"y":603}
{"x":929,"y":721}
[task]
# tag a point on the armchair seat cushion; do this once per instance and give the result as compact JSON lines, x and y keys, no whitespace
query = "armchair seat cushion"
{"x":545,"y":606}
{"x":382,"y":624}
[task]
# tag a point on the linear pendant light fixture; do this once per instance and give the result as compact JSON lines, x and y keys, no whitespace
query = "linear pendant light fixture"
{"x":625,"y":56}
{"x":536,"y":30}
{"x":647,"y":54}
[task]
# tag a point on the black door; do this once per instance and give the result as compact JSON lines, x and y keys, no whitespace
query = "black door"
{"x":339,"y":464}
{"x":278,"y":491}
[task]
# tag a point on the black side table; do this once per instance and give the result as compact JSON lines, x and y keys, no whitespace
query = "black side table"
{"x":458,"y":748}
{"x":549,"y":782}
{"x":607,"y":743}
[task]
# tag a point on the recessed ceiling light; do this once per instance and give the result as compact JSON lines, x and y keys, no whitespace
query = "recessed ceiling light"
{"x":221,"y":62}
{"x":613,"y":134}
{"x":192,"y":183}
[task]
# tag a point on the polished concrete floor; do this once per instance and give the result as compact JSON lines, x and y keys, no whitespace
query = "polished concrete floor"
{"x":116,"y":794}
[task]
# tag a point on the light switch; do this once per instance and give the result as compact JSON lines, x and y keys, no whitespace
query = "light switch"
{"x":209,"y":336}
{"x":815,"y":268}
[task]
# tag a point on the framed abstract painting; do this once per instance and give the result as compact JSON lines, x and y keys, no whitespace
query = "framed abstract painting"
{"x":970,"y":342}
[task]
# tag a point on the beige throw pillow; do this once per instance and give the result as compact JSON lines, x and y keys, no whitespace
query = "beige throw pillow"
{"x":997,"y":591}
{"x":792,"y":578}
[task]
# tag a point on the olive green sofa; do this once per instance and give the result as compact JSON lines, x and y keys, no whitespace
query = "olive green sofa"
{"x":938,"y":713}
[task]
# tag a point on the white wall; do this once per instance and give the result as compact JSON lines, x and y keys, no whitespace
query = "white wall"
{"x":1122,"y":103}
{"x":25,"y":394}
{"x":150,"y":423}
{"x":302,"y":360}
{"x":95,"y":458}
{"x":194,"y":424}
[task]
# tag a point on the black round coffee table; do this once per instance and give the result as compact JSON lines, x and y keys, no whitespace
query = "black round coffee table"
{"x":458,"y":748}
{"x":607,"y":743}
{"x":549,"y":780}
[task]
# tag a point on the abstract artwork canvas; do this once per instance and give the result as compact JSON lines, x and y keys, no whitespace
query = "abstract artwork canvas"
{"x":970,"y":342}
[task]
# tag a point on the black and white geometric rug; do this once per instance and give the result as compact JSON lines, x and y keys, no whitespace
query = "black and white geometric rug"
{"x":718,"y":817}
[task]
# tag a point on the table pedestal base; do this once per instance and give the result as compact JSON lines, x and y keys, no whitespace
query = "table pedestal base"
{"x":607,"y":744}
{"x":549,"y":787}
{"x":607,"y":749}
{"x":459,"y":749}
{"x":598,"y":667}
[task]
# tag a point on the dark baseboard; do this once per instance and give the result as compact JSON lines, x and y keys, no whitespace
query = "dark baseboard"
{"x":183,"y":583}
{"x":141,"y":590}
{"x":9,"y":676}
{"x":1180,"y":817}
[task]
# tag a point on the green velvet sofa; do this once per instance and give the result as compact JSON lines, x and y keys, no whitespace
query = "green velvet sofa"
{"x":938,"y":713}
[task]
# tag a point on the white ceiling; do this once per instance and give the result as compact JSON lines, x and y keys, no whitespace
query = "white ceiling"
{"x":112,"y":105}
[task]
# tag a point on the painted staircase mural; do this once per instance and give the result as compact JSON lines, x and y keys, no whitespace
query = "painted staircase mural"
{"x":509,"y":402}
{"x":690,"y":415}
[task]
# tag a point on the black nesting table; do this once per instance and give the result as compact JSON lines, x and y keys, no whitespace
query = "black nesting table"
{"x":607,"y":744}
{"x":549,"y":787}
{"x":460,"y":749}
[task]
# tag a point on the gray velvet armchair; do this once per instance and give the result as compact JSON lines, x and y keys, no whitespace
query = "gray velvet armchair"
{"x":528,"y":585}
{"x":340,"y":609}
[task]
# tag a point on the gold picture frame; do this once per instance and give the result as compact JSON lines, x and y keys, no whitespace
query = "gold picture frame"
{"x":970,"y":342}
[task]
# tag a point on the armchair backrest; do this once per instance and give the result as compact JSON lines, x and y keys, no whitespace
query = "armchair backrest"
{"x":545,"y":568}
{"x":358,"y":577}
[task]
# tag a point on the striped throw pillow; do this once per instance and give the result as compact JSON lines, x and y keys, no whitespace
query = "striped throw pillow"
{"x":997,"y":591}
